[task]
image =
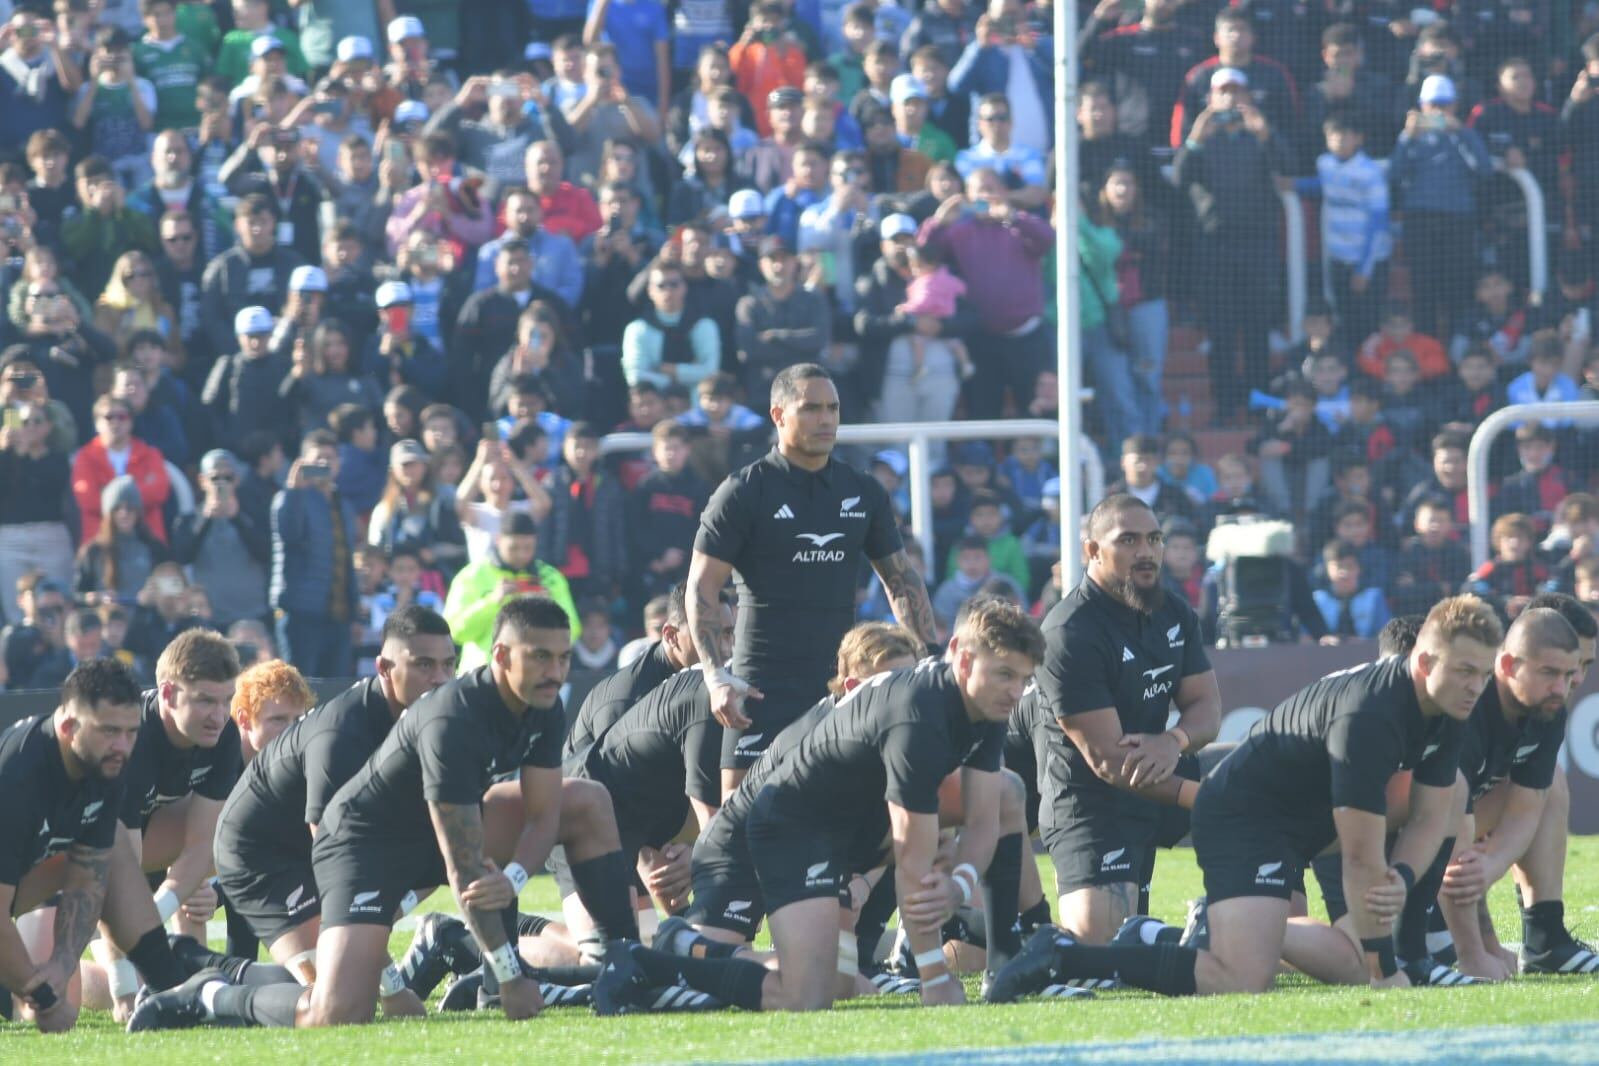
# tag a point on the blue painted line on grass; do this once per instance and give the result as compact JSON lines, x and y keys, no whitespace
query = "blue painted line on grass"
{"x":1538,"y":1045}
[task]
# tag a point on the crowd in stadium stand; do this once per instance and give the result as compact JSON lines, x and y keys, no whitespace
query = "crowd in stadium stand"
{"x":319,"y":308}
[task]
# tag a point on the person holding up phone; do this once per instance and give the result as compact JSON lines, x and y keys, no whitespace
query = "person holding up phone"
{"x":313,"y":591}
{"x":397,"y":354}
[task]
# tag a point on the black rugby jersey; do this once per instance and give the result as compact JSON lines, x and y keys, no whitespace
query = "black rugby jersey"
{"x":1493,"y":748}
{"x":1098,"y":653}
{"x":895,"y":738}
{"x":46,"y":811}
{"x":289,"y":784}
{"x":446,"y":748}
{"x":796,"y":540}
{"x":1335,"y":743}
{"x":665,"y":750}
{"x":160,"y":773}
{"x":611,"y":698}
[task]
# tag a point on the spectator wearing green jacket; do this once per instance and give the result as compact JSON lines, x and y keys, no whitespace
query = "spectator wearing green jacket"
{"x":1005,"y":552}
{"x":1104,"y":345}
{"x":510,"y":569}
{"x":252,"y":18}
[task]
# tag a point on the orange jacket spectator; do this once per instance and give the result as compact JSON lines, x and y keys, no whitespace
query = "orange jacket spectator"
{"x":92,"y":471}
{"x":759,"y":67}
{"x":1431,"y":358}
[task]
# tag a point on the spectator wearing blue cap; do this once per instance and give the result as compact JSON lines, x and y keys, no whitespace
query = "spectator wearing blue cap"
{"x":252,"y":19}
{"x":242,"y":390}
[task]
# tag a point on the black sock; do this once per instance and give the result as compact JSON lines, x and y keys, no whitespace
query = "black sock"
{"x":270,"y":1006}
{"x":242,"y":943}
{"x":602,"y":885}
{"x":508,"y":922}
{"x":571,"y":976}
{"x":1410,"y":935}
{"x":152,"y":957}
{"x":1031,"y":918}
{"x":1001,"y":890}
{"x":1164,"y":968}
{"x":1543,"y":925}
{"x":531,"y":924}
{"x":259,"y":973}
{"x":875,"y":913}
{"x":735,"y":981}
{"x":1169,"y":934}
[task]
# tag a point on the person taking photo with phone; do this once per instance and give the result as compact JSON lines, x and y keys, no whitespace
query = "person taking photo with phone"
{"x":313,"y":591}
{"x":224,"y":546}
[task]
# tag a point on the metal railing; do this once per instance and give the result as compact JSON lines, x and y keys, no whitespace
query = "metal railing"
{"x":916,"y":438}
{"x":1294,"y":246}
{"x":1482,"y":439}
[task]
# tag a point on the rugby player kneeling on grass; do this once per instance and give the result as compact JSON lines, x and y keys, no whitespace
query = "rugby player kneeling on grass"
{"x":1313,"y":772}
{"x":411,"y":818}
{"x":895,"y":738}
{"x":61,"y":775}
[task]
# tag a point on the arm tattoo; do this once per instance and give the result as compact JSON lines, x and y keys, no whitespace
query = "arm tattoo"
{"x":81,"y":902}
{"x":907,"y":594}
{"x":704,"y":628}
{"x":460,"y":830}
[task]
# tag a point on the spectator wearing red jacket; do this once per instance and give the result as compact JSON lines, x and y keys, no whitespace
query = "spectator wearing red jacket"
{"x":114,"y":451}
{"x":568,"y":209}
{"x":769,"y":56}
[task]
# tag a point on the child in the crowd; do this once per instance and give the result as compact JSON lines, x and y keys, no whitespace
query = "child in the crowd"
{"x":971,"y":570}
{"x":1367,"y":430}
{"x":1350,"y":605}
{"x":933,"y":291}
{"x":1354,"y":221}
{"x":1543,"y":381}
{"x":1181,"y":466}
{"x":596,"y":648}
{"x":1042,"y":539}
{"x":1352,"y":481}
{"x":408,"y":582}
{"x":1432,"y":563}
{"x":1004,"y":548}
{"x":1026,"y":471}
{"x":1293,"y":452}
{"x":363,"y":462}
{"x":1355,"y":523}
{"x":1185,"y":560}
{"x":891,"y":468}
{"x":1476,"y":391}
{"x":1514,"y":575}
{"x":1540,"y":485}
{"x":973,"y":461}
{"x":1573,"y":538}
{"x":1408,"y":405}
{"x":1398,"y":331}
{"x":1497,"y":319}
{"x":952,"y":503}
{"x":1235,"y":486}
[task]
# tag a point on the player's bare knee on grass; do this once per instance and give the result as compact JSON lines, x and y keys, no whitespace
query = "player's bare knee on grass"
{"x":1093,"y":915}
{"x":1246,"y":944}
{"x":346,"y":991}
{"x":805,"y":935}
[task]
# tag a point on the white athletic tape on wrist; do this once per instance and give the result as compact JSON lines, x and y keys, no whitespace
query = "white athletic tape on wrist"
{"x":518,"y":876}
{"x":299,"y":964}
{"x":934,"y":982}
{"x":849,"y":955}
{"x":122,"y":978}
{"x":408,"y":903}
{"x":391,"y":983}
{"x":504,"y":963}
{"x":166,"y":903}
{"x":934,"y":957}
{"x":723,"y":676}
{"x":965,"y":876}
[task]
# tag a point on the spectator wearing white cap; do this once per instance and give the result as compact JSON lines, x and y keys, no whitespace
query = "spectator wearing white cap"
{"x":269,"y":63}
{"x":252,"y":19}
{"x":881,"y":325}
{"x":1436,"y":167}
{"x":496,"y":119}
{"x":414,"y":53}
{"x":228,"y":552}
{"x":302,"y":310}
{"x":708,"y":182}
{"x":326,"y":24}
{"x":746,"y":229}
{"x":779,"y":323}
{"x":268,"y":163}
{"x":908,"y":99}
{"x":1269,"y":81}
{"x":242,"y":392}
{"x":1020,"y":166}
{"x":397,"y":354}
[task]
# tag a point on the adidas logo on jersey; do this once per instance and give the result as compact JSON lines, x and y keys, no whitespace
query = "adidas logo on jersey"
{"x":1127,"y":655}
{"x":784,"y":511}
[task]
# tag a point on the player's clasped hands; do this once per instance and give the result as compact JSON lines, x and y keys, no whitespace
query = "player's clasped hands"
{"x":930,"y":906}
{"x":1387,"y":898}
{"x":1152,"y":758}
{"x":491,"y":892}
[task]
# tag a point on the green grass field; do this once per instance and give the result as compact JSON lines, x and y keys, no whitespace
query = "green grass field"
{"x":878,"y":1026}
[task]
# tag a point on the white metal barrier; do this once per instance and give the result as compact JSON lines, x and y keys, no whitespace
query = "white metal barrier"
{"x":1294,"y":244}
{"x":1537,"y":233}
{"x":1482,"y":439}
{"x":916,"y":437}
